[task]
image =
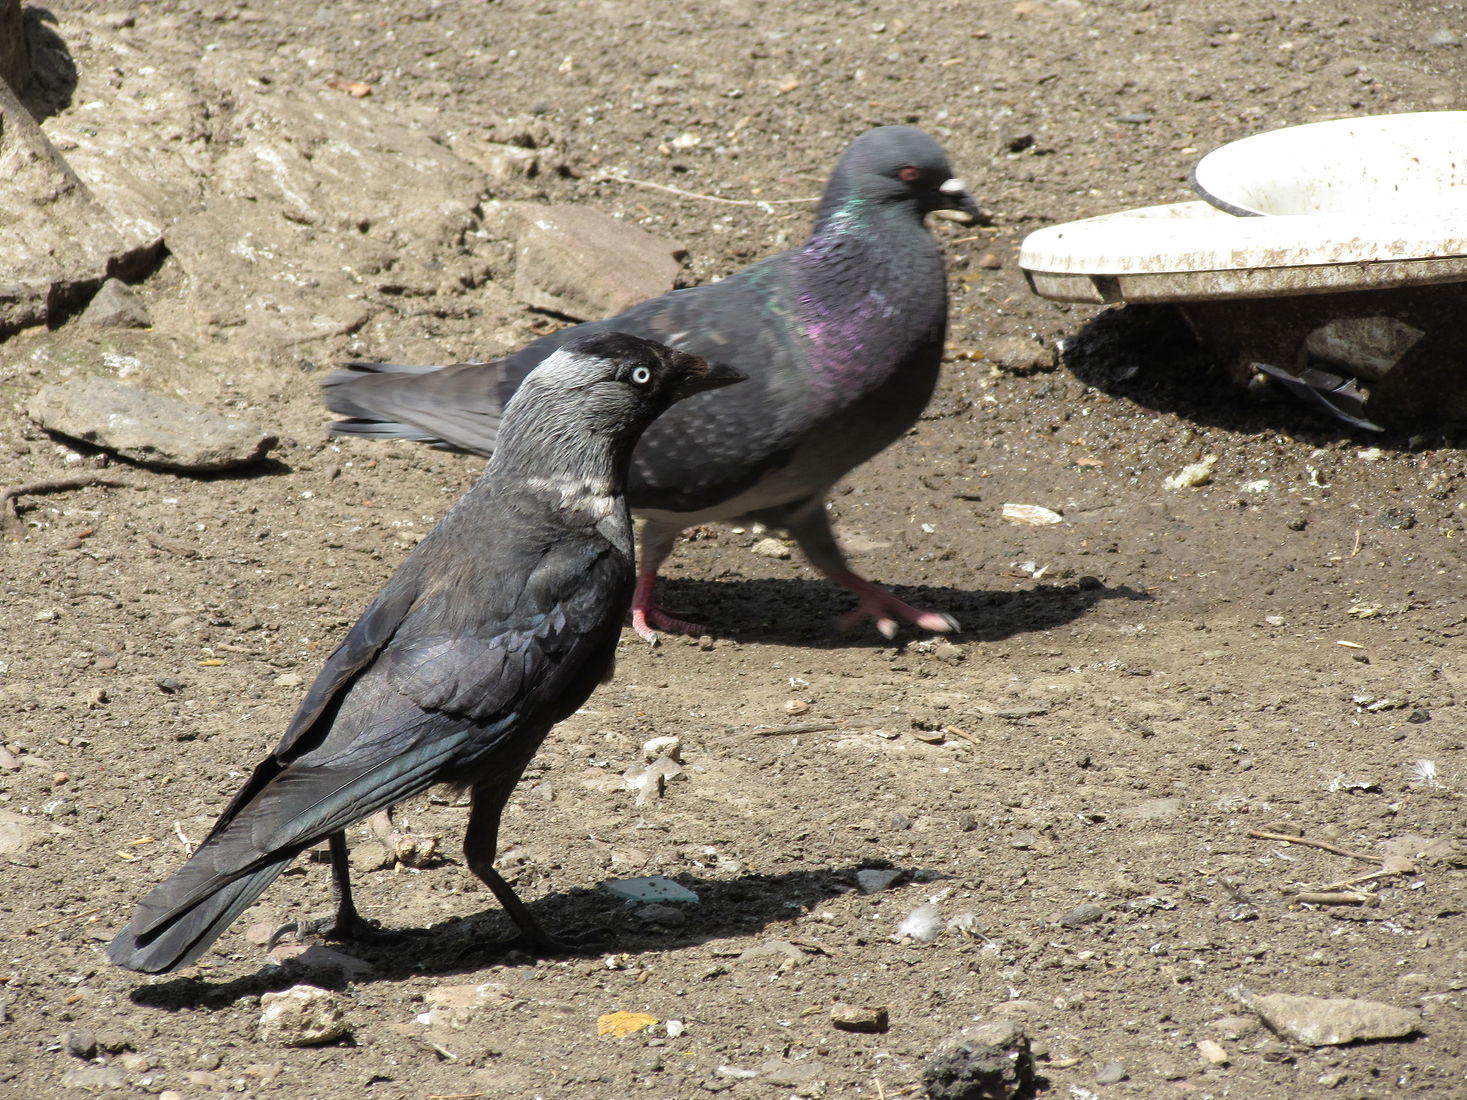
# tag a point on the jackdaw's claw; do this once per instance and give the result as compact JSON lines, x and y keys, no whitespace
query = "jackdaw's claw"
{"x":353,"y":929}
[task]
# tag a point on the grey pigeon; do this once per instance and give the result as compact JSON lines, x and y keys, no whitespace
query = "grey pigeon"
{"x":841,"y":339}
{"x":498,"y":625}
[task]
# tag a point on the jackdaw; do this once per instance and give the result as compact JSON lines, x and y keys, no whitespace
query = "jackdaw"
{"x":498,"y":625}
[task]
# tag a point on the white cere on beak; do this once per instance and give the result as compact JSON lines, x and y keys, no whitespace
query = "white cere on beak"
{"x":953,"y":187}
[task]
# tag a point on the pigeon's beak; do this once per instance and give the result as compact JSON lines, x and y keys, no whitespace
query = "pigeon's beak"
{"x":706,"y":376}
{"x":955,"y":197}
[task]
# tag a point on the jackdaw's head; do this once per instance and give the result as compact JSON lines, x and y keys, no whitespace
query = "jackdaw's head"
{"x":613,"y":384}
{"x":900,"y":165}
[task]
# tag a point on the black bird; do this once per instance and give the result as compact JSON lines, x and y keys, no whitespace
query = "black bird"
{"x":498,"y":625}
{"x":841,"y":339}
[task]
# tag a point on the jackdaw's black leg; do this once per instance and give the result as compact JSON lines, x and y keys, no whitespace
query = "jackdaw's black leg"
{"x":480,"y":842}
{"x":346,"y":923}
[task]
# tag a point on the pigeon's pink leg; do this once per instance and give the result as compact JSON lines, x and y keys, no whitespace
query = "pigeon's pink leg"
{"x":810,"y":527}
{"x":647,"y":618}
{"x":888,"y":612}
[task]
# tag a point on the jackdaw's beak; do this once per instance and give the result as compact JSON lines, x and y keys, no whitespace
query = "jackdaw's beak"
{"x":955,"y":198}
{"x":701,"y":375}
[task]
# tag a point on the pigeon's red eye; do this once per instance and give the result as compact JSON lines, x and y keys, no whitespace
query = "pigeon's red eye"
{"x":909,"y":174}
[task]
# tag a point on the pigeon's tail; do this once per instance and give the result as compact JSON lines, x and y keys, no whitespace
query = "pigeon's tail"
{"x":178,"y":920}
{"x":457,"y":407}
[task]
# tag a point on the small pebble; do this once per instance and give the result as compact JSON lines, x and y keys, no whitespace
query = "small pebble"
{"x":848,"y":1017}
{"x":1212,"y":1053}
{"x":1112,"y":1073}
{"x":771,"y":548}
{"x":873,"y":881}
{"x":80,"y":1044}
{"x":1087,"y":913}
{"x":302,"y":1016}
{"x":670,"y":747}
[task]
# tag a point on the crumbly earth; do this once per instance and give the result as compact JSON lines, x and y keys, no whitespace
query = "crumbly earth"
{"x":1136,"y":689}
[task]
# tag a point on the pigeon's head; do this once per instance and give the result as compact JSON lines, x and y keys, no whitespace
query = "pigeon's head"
{"x":898,"y":165}
{"x":611,"y":385}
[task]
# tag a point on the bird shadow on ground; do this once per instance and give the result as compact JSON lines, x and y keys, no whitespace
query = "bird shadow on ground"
{"x":806,"y":611}
{"x":727,"y":907}
{"x":53,"y":70}
{"x":1147,"y":355}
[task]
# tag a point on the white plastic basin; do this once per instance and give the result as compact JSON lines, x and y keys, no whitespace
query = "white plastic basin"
{"x":1379,"y":164}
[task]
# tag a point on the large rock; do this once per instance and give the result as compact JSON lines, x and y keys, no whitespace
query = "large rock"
{"x":58,"y":241}
{"x":587,"y":265}
{"x":987,"y":1061}
{"x":148,"y":427}
{"x":301,"y":1016}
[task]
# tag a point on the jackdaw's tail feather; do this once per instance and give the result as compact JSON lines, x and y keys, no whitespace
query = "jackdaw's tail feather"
{"x":179,"y":919}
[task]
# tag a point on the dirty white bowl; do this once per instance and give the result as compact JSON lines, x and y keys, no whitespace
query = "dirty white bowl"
{"x":1380,"y":164}
{"x":1190,"y":251}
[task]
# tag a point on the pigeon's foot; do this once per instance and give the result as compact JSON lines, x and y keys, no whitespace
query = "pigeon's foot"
{"x":648,"y":618}
{"x":647,"y":621}
{"x":886,"y":611}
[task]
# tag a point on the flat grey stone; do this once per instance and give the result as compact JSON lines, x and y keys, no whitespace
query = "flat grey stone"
{"x":115,"y":305}
{"x":586,"y":264}
{"x":1328,"y":1021}
{"x":148,"y":427}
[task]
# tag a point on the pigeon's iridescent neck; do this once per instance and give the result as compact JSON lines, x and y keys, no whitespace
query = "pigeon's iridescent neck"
{"x":856,"y":305}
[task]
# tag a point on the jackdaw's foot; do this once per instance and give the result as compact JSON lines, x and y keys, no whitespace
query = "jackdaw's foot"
{"x":886,"y":611}
{"x":349,"y":927}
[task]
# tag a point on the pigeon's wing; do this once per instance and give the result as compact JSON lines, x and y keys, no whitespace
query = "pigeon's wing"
{"x":457,"y":407}
{"x":702,"y":451}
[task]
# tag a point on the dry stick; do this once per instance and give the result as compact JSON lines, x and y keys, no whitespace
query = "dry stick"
{"x":1345,"y":884}
{"x":697,"y":195}
{"x":1325,"y":897}
{"x":10,"y":515}
{"x":63,"y":920}
{"x":1286,"y":839}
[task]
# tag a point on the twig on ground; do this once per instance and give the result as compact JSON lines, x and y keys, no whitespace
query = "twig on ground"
{"x":10,"y":521}
{"x":1324,"y":845}
{"x":1374,"y":876}
{"x":1336,"y":897}
{"x":697,"y":195}
{"x":63,"y":920}
{"x":964,"y":734}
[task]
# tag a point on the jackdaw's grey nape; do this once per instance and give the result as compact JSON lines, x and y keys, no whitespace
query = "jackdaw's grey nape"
{"x":498,"y":625}
{"x":841,"y":339}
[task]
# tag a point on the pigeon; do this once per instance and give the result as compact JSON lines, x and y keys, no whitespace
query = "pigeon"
{"x":498,"y":625}
{"x":841,"y":339}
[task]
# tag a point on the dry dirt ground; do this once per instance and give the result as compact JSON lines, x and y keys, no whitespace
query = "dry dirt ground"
{"x":1135,"y":689}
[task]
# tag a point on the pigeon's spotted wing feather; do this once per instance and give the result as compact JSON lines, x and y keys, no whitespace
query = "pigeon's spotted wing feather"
{"x":696,"y":454}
